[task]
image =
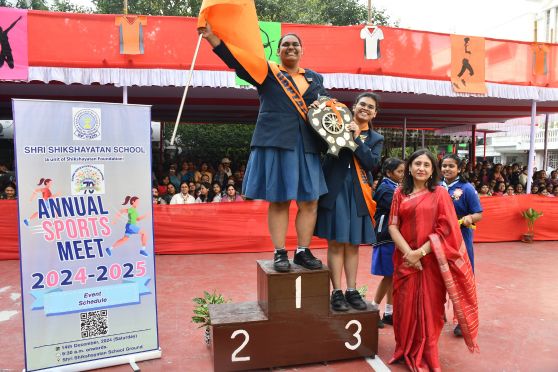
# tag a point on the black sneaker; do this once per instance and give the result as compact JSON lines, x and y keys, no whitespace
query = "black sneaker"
{"x":355,"y":300}
{"x":338,"y":302}
{"x":281,"y":261}
{"x":388,"y":319}
{"x":380,"y":323}
{"x":457,"y":331}
{"x":307,"y":260}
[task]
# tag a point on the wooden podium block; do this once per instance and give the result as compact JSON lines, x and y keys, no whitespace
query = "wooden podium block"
{"x":292,"y":323}
{"x":300,"y":290}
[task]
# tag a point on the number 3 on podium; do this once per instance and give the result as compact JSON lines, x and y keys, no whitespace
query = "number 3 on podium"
{"x":356,"y":334}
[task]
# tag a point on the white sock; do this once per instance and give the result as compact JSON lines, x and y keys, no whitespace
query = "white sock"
{"x":351,"y":289}
{"x":301,"y":249}
{"x":374,"y":303}
{"x":279,"y":249}
{"x":143,"y":248}
{"x":389,"y":309}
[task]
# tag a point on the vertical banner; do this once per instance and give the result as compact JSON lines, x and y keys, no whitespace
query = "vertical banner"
{"x":86,"y":233}
{"x":270,"y":33}
{"x":467,"y":64}
{"x":14,"y":60}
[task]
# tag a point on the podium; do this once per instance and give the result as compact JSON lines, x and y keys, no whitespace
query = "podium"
{"x":291,"y":323}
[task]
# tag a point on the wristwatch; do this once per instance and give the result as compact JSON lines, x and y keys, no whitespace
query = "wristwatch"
{"x":422,"y":251}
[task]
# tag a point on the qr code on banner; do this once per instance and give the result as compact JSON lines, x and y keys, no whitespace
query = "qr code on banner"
{"x":94,"y":323}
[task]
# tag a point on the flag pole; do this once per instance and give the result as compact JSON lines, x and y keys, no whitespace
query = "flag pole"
{"x":185,"y":91}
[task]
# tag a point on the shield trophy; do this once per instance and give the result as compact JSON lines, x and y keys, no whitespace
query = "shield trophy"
{"x":329,"y":121}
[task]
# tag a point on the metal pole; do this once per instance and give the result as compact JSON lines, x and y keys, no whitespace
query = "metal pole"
{"x":530,"y":164}
{"x":484,"y":154}
{"x":125,"y":88}
{"x":370,"y":11}
{"x":185,"y":91}
{"x":545,"y":151}
{"x":422,"y":141}
{"x":404,"y":138}
{"x":473,"y":146}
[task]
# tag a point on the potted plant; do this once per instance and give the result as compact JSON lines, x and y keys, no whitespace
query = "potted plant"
{"x":530,"y":216}
{"x":201,"y":311}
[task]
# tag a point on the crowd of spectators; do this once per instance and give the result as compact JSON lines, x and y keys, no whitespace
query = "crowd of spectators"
{"x":184,"y":182}
{"x":507,"y":180}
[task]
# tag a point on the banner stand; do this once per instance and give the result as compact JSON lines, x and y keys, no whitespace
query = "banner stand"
{"x":109,"y":362}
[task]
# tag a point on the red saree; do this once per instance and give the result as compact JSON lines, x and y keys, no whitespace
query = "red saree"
{"x":419,"y":296}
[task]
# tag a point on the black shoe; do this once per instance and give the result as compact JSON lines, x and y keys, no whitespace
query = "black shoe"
{"x":457,"y":331}
{"x":307,"y":260}
{"x":388,"y":319}
{"x":338,"y":302}
{"x":281,"y":261}
{"x":355,"y":300}
{"x":380,"y":323}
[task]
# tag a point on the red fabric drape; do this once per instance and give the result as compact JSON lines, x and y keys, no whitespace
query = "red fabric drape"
{"x":242,"y":227}
{"x":91,"y":41}
{"x":419,"y":295}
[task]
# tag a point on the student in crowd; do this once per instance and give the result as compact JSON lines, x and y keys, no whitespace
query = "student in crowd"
{"x":183,"y":197}
{"x":9,"y":192}
{"x":382,"y":255}
{"x":231,"y":195}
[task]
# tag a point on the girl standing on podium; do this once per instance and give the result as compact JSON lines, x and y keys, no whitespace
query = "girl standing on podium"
{"x":344,"y":217}
{"x":284,"y":163}
{"x":430,"y":261}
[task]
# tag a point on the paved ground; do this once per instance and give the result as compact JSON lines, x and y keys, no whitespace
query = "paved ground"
{"x":517,"y":290}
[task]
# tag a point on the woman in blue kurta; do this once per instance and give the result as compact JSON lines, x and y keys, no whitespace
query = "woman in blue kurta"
{"x":284,"y":163}
{"x":343,"y":215}
{"x":466,"y":202}
{"x":393,"y":170}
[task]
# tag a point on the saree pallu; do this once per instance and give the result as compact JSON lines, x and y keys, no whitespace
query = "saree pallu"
{"x":419,"y":295}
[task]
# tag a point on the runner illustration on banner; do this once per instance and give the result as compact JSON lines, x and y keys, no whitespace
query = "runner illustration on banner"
{"x":132,"y":227}
{"x":46,"y":194}
{"x":6,"y":52}
{"x":465,"y":65}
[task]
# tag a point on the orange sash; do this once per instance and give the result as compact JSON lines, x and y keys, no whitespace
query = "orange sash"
{"x":291,"y":92}
{"x":361,"y":173}
{"x":366,"y":190}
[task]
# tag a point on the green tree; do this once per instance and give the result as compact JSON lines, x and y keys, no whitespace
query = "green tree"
{"x":340,"y":12}
{"x":69,"y":7}
{"x":33,"y":4}
{"x":149,"y":7}
{"x":211,"y":142}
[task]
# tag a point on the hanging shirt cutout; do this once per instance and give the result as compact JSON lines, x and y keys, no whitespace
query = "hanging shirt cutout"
{"x":372,"y":38}
{"x":131,"y":33}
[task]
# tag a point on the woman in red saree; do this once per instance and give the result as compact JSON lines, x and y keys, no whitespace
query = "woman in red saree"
{"x":429,"y":261}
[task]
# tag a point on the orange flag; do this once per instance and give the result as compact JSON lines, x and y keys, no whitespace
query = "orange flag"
{"x":235,"y":22}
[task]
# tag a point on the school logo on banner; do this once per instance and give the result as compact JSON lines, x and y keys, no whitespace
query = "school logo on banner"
{"x":14,"y":60}
{"x":467,"y":64}
{"x":86,"y":124}
{"x":88,"y":179}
